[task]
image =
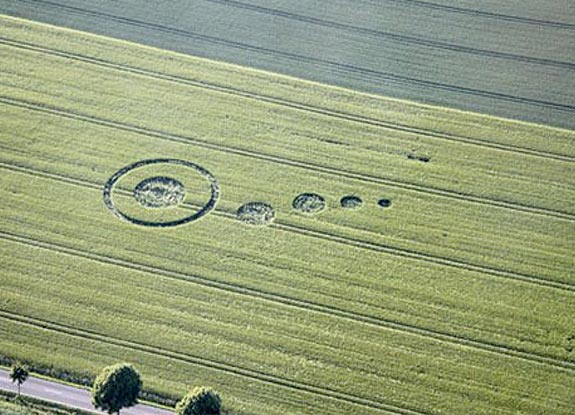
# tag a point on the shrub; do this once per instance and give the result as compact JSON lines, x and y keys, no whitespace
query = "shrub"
{"x":200,"y":401}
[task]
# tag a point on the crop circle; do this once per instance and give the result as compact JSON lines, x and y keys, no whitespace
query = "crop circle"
{"x":384,"y":203}
{"x":309,"y":203}
{"x":351,"y":202}
{"x":256,"y":213}
{"x":160,"y":192}
{"x":173,"y":196}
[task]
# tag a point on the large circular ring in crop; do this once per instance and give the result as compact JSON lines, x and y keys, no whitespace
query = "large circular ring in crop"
{"x":204,"y":210}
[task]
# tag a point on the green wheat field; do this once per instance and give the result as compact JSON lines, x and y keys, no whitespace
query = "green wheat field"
{"x":457,"y":298}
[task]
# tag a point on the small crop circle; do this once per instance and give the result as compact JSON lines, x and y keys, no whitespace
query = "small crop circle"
{"x":384,"y":203}
{"x":256,"y":213}
{"x":309,"y":203}
{"x":160,"y":192}
{"x":351,"y":202}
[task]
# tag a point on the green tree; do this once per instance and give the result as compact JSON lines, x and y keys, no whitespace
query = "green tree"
{"x":19,"y":374}
{"x":200,"y":401}
{"x":116,"y":387}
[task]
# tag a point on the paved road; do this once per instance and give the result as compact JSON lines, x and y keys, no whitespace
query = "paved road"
{"x":68,"y":395}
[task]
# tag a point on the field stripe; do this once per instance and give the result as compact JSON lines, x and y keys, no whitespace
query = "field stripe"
{"x":210,"y":364}
{"x":373,"y":122}
{"x":284,"y":161}
{"x":449,"y":262}
{"x":393,"y":36}
{"x":305,"y":305}
{"x":480,"y":13}
{"x":357,"y":243}
{"x":345,"y":68}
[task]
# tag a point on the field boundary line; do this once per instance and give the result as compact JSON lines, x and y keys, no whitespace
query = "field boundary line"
{"x":394,"y":37}
{"x":208,"y":363}
{"x":342,"y":115}
{"x":356,"y":243}
{"x":491,"y":15}
{"x":284,"y":161}
{"x":308,"y":306}
{"x":344,"y":68}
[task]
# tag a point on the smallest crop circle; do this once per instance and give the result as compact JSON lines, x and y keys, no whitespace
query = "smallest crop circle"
{"x":384,"y":203}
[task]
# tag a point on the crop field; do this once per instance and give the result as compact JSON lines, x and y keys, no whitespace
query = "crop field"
{"x":511,"y":58}
{"x":302,"y":248}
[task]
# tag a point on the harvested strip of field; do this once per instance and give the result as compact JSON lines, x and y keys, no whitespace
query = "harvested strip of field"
{"x":470,"y":61}
{"x":551,"y":14}
{"x":452,"y":299}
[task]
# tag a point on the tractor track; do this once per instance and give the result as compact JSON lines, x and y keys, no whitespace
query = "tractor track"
{"x":209,"y":364}
{"x":394,"y":37}
{"x":333,"y":65}
{"x":297,"y":303}
{"x":286,"y":161}
{"x":346,"y":116}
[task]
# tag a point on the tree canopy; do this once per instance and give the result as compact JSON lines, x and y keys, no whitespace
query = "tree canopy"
{"x":19,"y":374}
{"x":116,"y":387}
{"x":200,"y":401}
